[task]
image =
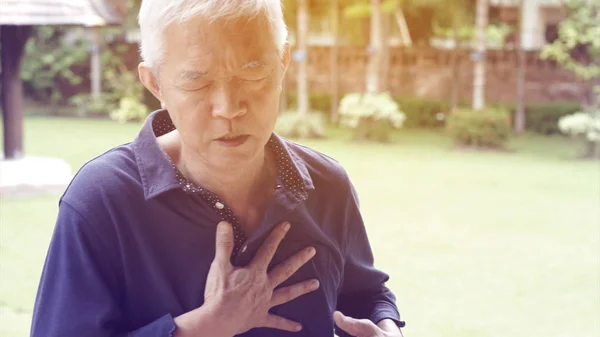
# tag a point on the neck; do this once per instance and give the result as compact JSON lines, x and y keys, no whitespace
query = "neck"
{"x":236,"y":186}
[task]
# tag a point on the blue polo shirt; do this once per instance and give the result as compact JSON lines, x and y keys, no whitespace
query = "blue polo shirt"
{"x":134,"y":240}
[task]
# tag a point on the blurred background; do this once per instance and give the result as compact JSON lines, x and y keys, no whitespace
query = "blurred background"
{"x":471,"y":129}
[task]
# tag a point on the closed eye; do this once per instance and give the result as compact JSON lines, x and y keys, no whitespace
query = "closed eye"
{"x":194,"y":88}
{"x":255,"y":79}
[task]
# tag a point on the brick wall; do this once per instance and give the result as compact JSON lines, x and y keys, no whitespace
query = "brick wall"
{"x":427,"y":73}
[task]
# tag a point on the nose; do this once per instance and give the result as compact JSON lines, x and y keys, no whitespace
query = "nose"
{"x":225,"y":103}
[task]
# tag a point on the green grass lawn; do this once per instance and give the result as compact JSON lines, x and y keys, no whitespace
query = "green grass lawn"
{"x":477,"y":244}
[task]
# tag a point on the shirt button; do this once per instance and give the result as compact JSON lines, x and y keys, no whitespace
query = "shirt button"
{"x":244,"y":248}
{"x":219,"y":205}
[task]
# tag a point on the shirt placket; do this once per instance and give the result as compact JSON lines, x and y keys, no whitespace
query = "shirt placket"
{"x":286,"y":177}
{"x":219,"y":207}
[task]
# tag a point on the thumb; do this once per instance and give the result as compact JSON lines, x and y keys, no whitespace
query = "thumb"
{"x":224,"y":243}
{"x":350,"y":325}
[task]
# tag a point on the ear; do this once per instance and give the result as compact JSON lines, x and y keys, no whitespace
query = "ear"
{"x":149,"y":80}
{"x":286,"y":57}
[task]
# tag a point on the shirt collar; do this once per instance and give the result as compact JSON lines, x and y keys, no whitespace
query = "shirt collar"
{"x":159,"y":176}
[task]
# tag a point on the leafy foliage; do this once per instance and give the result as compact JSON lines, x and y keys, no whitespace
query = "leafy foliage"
{"x":425,"y":113}
{"x":496,"y":33}
{"x":51,"y":55}
{"x":123,"y":95}
{"x":490,"y":128}
{"x":319,"y":101}
{"x":577,"y":47}
{"x":543,"y":117}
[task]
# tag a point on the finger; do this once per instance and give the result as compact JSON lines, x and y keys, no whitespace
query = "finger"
{"x":287,"y":268}
{"x":278,"y":322}
{"x":224,"y":244}
{"x":265,"y":253}
{"x":286,"y":294}
{"x":353,"y":326}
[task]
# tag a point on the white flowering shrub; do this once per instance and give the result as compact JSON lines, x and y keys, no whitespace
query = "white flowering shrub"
{"x":292,"y":125}
{"x":372,"y":116}
{"x":582,"y":124}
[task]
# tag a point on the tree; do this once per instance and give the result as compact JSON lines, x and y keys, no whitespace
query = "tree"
{"x":455,"y":22}
{"x":479,"y":68}
{"x":521,"y":74}
{"x":449,"y":13}
{"x":577,"y":49}
{"x":334,"y":71}
{"x":302,"y":55}
{"x":375,"y":50}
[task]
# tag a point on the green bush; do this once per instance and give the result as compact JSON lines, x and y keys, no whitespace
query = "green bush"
{"x":52,"y":64}
{"x":543,"y":117}
{"x":130,"y":109}
{"x":423,"y":113}
{"x":87,"y":105}
{"x":292,"y":125}
{"x":490,"y":128}
{"x":319,"y":101}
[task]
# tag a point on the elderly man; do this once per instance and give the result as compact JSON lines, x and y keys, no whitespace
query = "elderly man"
{"x":208,"y":223}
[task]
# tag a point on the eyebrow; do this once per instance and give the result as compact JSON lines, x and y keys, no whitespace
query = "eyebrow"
{"x":191,"y":75}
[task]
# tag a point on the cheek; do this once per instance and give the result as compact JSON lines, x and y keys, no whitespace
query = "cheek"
{"x":187,"y":113}
{"x":184,"y":105}
{"x":264,"y":96}
{"x":188,"y":99}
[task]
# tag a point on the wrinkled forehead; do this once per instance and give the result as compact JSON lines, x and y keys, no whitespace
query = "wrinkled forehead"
{"x":234,"y":40}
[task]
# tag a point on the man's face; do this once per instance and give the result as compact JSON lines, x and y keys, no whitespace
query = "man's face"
{"x":221,"y":83}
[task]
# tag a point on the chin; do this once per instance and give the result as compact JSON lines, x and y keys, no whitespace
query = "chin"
{"x":236,"y":156}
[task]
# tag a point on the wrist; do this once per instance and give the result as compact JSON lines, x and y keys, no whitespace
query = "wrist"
{"x":389,"y":326}
{"x":200,"y":322}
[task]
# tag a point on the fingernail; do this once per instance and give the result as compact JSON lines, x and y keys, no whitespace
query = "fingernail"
{"x":286,"y":227}
{"x":314,"y":284}
{"x":298,"y":327}
{"x":224,"y":226}
{"x":312,"y":251}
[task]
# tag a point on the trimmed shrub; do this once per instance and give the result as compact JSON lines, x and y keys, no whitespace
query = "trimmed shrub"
{"x":490,"y":128}
{"x":423,"y":113}
{"x":372,"y":116}
{"x":543,"y":117}
{"x":292,"y":125}
{"x":319,"y":101}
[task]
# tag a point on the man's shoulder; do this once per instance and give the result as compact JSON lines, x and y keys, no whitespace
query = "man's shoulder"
{"x":322,"y":168}
{"x":113,"y":174}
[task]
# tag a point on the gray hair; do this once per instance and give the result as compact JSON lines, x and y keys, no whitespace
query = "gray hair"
{"x":156,"y":15}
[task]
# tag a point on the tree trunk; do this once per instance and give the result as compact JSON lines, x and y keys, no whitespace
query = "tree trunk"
{"x":375,"y":52}
{"x":13,"y":39}
{"x":334,"y":66}
{"x":455,"y":85}
{"x":404,"y":33}
{"x":479,"y":57}
{"x":302,"y":55}
{"x":96,"y":64}
{"x":384,"y":84}
{"x":521,"y":76}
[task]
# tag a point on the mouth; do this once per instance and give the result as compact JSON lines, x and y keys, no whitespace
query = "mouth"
{"x":232,"y":140}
